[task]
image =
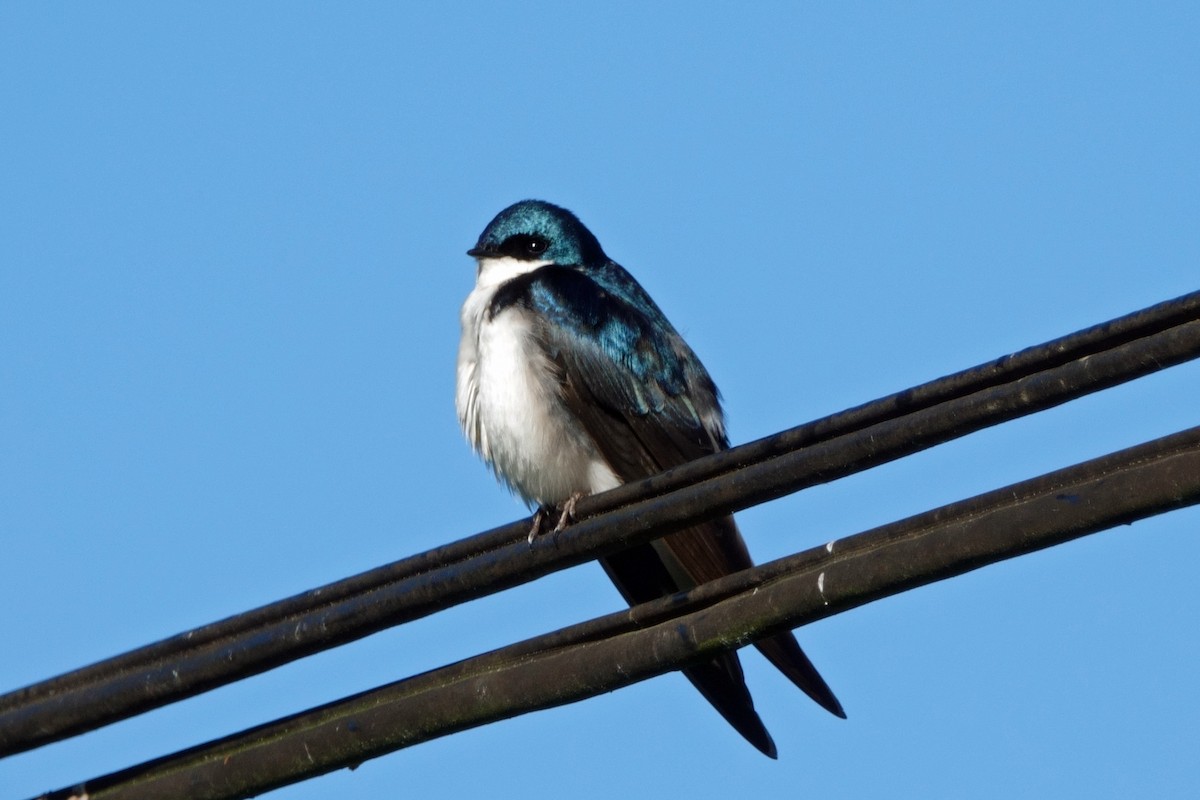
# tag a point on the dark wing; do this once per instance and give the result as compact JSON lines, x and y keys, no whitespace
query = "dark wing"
{"x":649,"y":405}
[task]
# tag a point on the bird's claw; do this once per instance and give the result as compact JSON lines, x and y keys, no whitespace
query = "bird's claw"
{"x":568,"y":513}
{"x":565,"y":517}
{"x":536,"y":527}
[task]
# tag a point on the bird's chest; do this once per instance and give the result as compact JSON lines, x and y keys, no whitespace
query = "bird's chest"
{"x":510,"y":408}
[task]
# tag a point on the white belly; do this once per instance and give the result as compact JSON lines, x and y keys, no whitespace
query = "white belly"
{"x":509,"y":408}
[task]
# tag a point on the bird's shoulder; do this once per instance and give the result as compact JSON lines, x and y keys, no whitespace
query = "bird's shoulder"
{"x":623,"y":368}
{"x":604,"y":310}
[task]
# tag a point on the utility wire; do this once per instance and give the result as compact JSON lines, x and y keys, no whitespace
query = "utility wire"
{"x":247,"y":644}
{"x":620,"y":649}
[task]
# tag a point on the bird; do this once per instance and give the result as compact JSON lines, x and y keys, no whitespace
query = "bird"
{"x":571,"y":381}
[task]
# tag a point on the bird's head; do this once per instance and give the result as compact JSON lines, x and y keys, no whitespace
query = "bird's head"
{"x":538,"y":233}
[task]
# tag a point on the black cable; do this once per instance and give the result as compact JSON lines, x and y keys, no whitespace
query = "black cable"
{"x":891,"y":427}
{"x":620,"y":649}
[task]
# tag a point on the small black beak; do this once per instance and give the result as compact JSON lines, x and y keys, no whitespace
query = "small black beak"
{"x":477,"y":252}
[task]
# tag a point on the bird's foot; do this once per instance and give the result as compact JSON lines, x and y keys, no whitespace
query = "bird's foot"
{"x":539,"y":517}
{"x":566,"y":515}
{"x":568,"y":512}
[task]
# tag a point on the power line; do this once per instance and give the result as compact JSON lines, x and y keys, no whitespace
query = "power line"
{"x":620,"y":649}
{"x":889,"y":428}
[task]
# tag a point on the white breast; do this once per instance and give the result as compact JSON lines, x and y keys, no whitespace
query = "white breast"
{"x":508,"y":402}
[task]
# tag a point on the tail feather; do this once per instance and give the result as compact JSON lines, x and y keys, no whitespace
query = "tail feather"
{"x":722,"y":684}
{"x":784,"y":652}
{"x":694,"y":556}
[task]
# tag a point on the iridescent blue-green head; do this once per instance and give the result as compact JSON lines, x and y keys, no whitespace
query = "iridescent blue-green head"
{"x":534,"y":230}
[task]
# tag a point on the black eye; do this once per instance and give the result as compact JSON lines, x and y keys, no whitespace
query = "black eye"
{"x":525,"y":246}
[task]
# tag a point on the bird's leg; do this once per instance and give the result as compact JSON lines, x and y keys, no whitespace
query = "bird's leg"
{"x":568,"y":512}
{"x":539,"y":517}
{"x":566,"y":515}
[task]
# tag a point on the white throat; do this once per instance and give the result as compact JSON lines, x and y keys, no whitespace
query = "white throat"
{"x":497,"y":271}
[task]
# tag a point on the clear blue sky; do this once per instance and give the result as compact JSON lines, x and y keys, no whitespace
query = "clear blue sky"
{"x":231,"y":260}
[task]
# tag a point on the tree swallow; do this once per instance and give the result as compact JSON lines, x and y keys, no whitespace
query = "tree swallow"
{"x":572,"y":381}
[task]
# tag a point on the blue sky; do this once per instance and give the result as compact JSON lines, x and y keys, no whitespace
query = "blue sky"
{"x":231,"y":259}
